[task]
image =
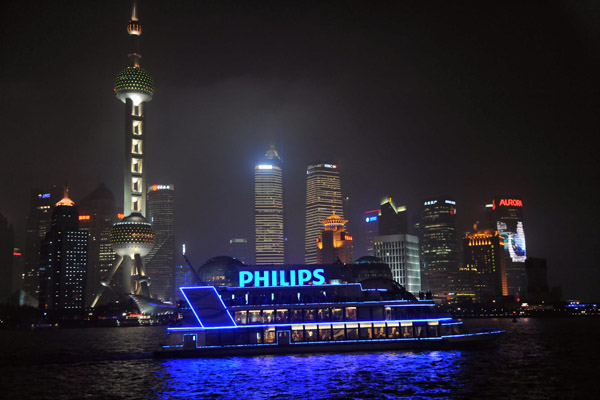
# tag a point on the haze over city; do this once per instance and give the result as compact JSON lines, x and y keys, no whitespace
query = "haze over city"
{"x":409,"y":100}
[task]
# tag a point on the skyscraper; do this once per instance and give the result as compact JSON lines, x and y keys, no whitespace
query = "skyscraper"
{"x":323,"y":198}
{"x":132,"y":238}
{"x":97,"y":214}
{"x":63,"y":260}
{"x":269,"y":239}
{"x":439,"y":245}
{"x":483,"y":252}
{"x":371,"y":229}
{"x":38,"y":224}
{"x":334,"y":245}
{"x":7,"y":242}
{"x":396,"y":247}
{"x":160,"y":262}
{"x":239,"y":248}
{"x":505,"y":215}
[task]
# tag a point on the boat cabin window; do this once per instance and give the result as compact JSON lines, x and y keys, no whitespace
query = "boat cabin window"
{"x":388,"y":313}
{"x":337,"y":314}
{"x":350,"y":313}
{"x":376,"y":313}
{"x":310,"y":333}
{"x":419,"y":330}
{"x":241,"y":336}
{"x":268,"y":316}
{"x":393,"y":330}
{"x":406,"y":329}
{"x":240,"y":317}
{"x":325,"y":332}
{"x":255,"y":336}
{"x":324,"y":314}
{"x":433,"y":329}
{"x":296,"y":315}
{"x":310,"y":315}
{"x":269,"y":335}
{"x":366,"y":331}
{"x":253,"y":317}
{"x":338,"y":332}
{"x":379,"y":330}
{"x":282,"y":316}
{"x":297,"y":334}
{"x":352,"y":331}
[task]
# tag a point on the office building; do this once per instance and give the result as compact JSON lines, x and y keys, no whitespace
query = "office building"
{"x":37,"y":225}
{"x":392,"y":220}
{"x":505,"y":214}
{"x":269,"y":239}
{"x":371,"y":230}
{"x":323,"y":198}
{"x":63,"y":264}
{"x":132,"y":237}
{"x":97,"y":214}
{"x":483,"y":256}
{"x":401,"y":253}
{"x":7,"y":243}
{"x":439,"y":245}
{"x":335,"y":245}
{"x":160,"y":262}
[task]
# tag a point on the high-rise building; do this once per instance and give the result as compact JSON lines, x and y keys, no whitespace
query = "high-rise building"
{"x":396,"y":247}
{"x":334,"y":245}
{"x":439,"y":245}
{"x":7,"y":243}
{"x":97,"y":214}
{"x":401,"y":253}
{"x":323,"y":198}
{"x":160,"y":262}
{"x":269,"y":239}
{"x":505,"y":215}
{"x":38,"y":223}
{"x":239,"y":248}
{"x":371,"y":230}
{"x":483,"y":252}
{"x":132,"y":238}
{"x":63,"y":261}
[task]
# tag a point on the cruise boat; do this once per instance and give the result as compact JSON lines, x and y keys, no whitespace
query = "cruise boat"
{"x":311,"y":316}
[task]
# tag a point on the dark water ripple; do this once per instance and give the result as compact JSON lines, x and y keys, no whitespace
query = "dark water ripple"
{"x":537,"y":359}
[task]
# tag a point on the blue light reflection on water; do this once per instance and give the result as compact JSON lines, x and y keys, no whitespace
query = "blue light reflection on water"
{"x":389,"y":375}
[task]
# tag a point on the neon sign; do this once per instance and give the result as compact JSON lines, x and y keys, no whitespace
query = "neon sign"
{"x":371,"y":219}
{"x":43,"y":195}
{"x":84,"y":217}
{"x":330,"y":166}
{"x":292,"y":277}
{"x":507,"y":203}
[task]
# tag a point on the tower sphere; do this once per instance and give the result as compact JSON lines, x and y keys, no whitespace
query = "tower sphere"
{"x":131,"y":236}
{"x":134,"y":83}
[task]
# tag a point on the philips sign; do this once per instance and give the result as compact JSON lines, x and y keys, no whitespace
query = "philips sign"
{"x":292,"y":277}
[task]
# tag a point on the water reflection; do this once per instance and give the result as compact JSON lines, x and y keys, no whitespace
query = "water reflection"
{"x":324,"y":376}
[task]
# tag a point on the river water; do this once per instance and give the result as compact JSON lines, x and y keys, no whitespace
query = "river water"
{"x":536,"y":359}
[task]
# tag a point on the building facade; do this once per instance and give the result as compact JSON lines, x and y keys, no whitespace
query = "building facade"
{"x":323,"y":198}
{"x":63,"y":264}
{"x":439,"y":245}
{"x":239,"y":248}
{"x":97,"y":214}
{"x":160,"y":262}
{"x":269,"y":238}
{"x":483,"y":252}
{"x":371,"y":230}
{"x":7,"y":244}
{"x":505,"y":214}
{"x":335,"y":244}
{"x":38,"y":224}
{"x":401,"y":253}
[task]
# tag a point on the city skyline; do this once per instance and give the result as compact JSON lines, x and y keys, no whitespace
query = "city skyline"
{"x":426,"y":107}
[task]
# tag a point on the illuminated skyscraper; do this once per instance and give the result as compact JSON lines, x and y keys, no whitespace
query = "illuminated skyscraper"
{"x":269,"y":240}
{"x":132,"y":238}
{"x":7,"y":242}
{"x":240,"y":249}
{"x":371,"y":229}
{"x":334,"y":245}
{"x":505,"y":215}
{"x":323,"y":198}
{"x":38,"y":224}
{"x":97,"y":214}
{"x":63,"y":262}
{"x":483,"y":252}
{"x":160,"y":262}
{"x":439,"y":245}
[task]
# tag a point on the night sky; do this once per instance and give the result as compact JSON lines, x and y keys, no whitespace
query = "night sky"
{"x":410,"y":99}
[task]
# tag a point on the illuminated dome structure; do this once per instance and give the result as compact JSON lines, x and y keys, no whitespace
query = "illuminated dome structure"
{"x":220,"y":271}
{"x":134,"y":83}
{"x":131,"y":236}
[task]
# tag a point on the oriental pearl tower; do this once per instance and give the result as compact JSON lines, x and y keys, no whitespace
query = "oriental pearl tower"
{"x":132,"y":237}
